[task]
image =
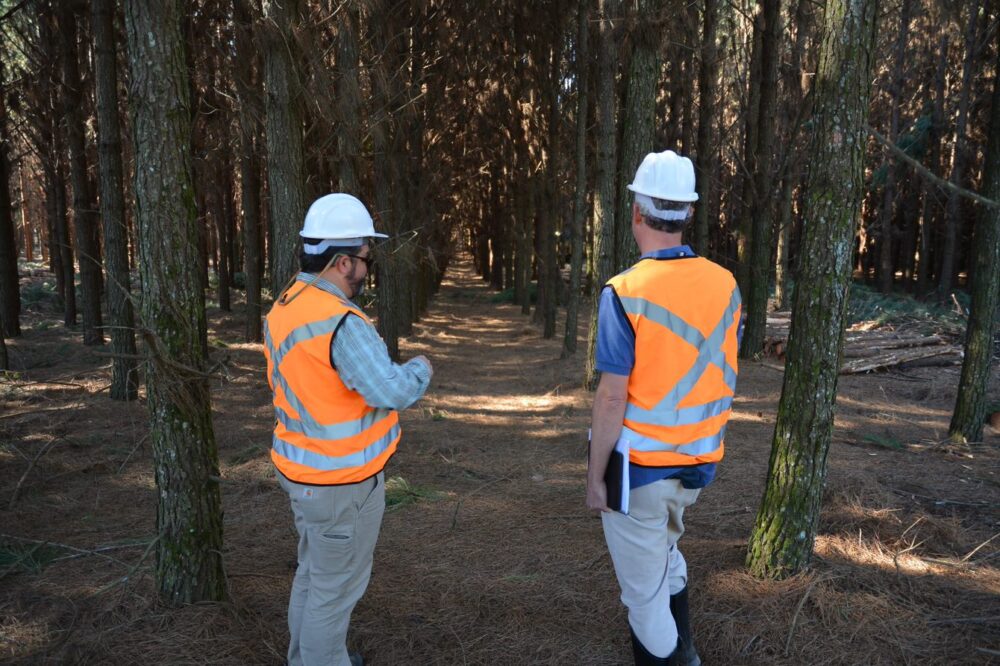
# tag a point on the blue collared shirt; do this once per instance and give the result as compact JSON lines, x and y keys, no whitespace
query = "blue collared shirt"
{"x":362,"y":361}
{"x":615,"y":353}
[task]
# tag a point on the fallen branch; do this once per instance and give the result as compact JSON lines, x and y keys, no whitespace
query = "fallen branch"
{"x":891,"y":358}
{"x":31,"y":465}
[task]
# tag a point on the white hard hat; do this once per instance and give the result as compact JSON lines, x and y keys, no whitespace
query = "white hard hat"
{"x":666,"y":176}
{"x":339,"y":217}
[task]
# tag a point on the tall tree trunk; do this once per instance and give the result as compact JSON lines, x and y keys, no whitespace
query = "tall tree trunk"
{"x":953,"y":216}
{"x":580,"y":189}
{"x":124,"y":377}
{"x":603,"y":212}
{"x":385,"y":133}
{"x":10,"y":294}
{"x":930,"y":211}
{"x":349,"y":99}
{"x":637,"y":120}
{"x":186,"y":463}
{"x":708,"y":74}
{"x":887,"y":244}
{"x":247,"y":92}
{"x":761,"y":220}
{"x":971,"y":402}
{"x":88,"y":248}
{"x":782,"y":539}
{"x":285,"y":165}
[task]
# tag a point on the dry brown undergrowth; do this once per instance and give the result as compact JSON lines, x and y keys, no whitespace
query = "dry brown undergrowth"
{"x":506,"y":566}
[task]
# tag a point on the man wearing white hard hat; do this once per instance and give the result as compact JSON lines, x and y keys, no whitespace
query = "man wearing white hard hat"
{"x":336,"y":397}
{"x":667,"y":338}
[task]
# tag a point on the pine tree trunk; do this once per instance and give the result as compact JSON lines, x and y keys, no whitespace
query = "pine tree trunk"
{"x":887,"y":240}
{"x":10,"y":292}
{"x":384,"y":132}
{"x":248,"y":91}
{"x":189,"y":513}
{"x":785,"y":528}
{"x":637,"y":121}
{"x":349,"y":99}
{"x":85,"y":222}
{"x":930,"y":211}
{"x":603,"y":212}
{"x":953,"y":217}
{"x":124,"y":374}
{"x":285,"y":165}
{"x":971,"y":402}
{"x":580,"y":188}
{"x":708,"y":74}
{"x":761,"y":220}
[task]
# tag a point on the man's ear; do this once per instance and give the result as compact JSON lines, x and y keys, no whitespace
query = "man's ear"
{"x":636,"y":215}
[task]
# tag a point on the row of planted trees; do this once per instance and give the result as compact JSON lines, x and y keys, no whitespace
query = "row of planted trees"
{"x":513,"y":127}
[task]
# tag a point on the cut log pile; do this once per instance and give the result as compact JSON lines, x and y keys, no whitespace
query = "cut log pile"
{"x":866,"y":350}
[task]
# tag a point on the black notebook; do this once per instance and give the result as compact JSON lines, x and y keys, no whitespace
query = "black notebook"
{"x":616,"y":477}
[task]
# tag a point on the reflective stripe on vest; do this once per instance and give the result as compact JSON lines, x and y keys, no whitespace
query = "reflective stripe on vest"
{"x":665,"y":433}
{"x":307,"y":447}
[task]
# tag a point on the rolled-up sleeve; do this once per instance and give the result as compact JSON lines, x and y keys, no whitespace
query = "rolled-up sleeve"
{"x":362,"y":361}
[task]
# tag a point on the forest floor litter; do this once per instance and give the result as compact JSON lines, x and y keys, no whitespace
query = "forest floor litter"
{"x":487,"y":554}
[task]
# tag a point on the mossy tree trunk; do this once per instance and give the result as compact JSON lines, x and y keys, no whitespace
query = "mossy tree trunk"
{"x":970,"y":405}
{"x":785,"y":528}
{"x":124,"y":375}
{"x":285,"y":165}
{"x":189,"y":511}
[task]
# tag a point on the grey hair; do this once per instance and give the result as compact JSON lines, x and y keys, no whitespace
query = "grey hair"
{"x":673,"y":226}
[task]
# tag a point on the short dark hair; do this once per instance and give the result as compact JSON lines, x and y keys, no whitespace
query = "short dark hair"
{"x":668,"y":226}
{"x":315,"y":263}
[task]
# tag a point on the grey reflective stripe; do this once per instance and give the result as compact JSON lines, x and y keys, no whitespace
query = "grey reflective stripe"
{"x":300,"y":334}
{"x":324,"y":463}
{"x":677,"y":417}
{"x":710,"y":351}
{"x":698,"y":447}
{"x":335,"y":431}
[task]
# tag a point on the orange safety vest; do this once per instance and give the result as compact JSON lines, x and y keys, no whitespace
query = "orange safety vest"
{"x":324,"y":433}
{"x":685,"y":313}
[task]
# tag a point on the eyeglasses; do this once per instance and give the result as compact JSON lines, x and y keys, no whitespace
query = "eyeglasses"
{"x":369,"y":260}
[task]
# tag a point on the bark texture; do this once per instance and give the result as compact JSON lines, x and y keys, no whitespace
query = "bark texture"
{"x":285,"y":166}
{"x":971,"y":403}
{"x":85,"y":224}
{"x":579,"y":191}
{"x":603,"y":213}
{"x":124,"y":376}
{"x":189,"y":511}
{"x":637,"y":119}
{"x":10,"y":293}
{"x":785,"y":528}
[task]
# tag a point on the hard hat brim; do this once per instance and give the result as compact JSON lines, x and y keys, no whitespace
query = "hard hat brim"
{"x":682,"y":198}
{"x":374,"y":234}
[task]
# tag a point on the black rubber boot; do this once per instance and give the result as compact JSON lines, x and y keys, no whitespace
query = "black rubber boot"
{"x":644,"y":657}
{"x":685,"y":654}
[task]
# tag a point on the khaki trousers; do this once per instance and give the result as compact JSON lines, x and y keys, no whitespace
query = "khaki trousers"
{"x":338,"y":527}
{"x":648,"y":564}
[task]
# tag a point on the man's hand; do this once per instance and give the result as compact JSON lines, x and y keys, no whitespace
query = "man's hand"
{"x":597,"y":496}
{"x":427,"y":362}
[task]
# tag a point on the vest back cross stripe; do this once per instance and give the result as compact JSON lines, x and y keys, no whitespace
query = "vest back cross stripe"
{"x":685,"y":315}
{"x":324,"y":433}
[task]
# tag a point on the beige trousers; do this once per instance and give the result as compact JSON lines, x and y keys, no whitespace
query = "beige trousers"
{"x":649,"y":566}
{"x":338,"y":527}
